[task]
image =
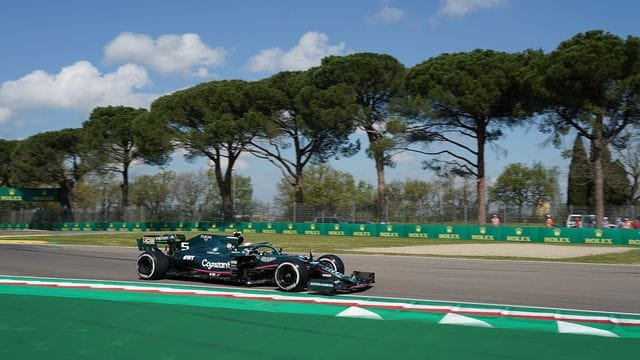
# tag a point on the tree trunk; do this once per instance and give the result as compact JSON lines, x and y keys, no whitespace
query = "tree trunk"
{"x":68,"y":214}
{"x":480,"y":185}
{"x":598,"y":174}
{"x":382,"y":194}
{"x":125,"y":193}
{"x":299,"y":194}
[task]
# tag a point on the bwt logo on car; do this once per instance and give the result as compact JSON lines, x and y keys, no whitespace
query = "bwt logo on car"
{"x":214,"y":265}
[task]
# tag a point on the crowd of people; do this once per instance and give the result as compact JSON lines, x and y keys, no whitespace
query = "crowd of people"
{"x":620,"y":223}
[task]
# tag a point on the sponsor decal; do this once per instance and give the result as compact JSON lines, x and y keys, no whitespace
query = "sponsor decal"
{"x":214,"y":264}
{"x":188,"y":257}
{"x":319,"y":284}
{"x":267,"y":258}
{"x":362,"y":233}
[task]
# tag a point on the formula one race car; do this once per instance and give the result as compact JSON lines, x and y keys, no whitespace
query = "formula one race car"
{"x":224,"y":258}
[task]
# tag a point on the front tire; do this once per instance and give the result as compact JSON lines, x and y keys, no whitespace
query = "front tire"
{"x":333,"y":262}
{"x":152,"y":265}
{"x":291,"y":276}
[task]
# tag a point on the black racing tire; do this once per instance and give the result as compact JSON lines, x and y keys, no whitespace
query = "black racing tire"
{"x":333,"y":262}
{"x":291,"y":275}
{"x":152,"y":265}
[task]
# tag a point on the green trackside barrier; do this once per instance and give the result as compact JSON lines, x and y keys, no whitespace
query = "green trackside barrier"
{"x":164,"y":225}
{"x":364,"y":230}
{"x":228,"y":227}
{"x":79,"y":226}
{"x":274,"y":227}
{"x":207,"y":226}
{"x":339,"y":229}
{"x":557,"y":235}
{"x":485,"y":233}
{"x":137,"y":226}
{"x":600,"y":236}
{"x":630,"y":237}
{"x":418,"y":231}
{"x":4,"y":226}
{"x":249,"y":227}
{"x":526,"y":234}
{"x":392,"y":230}
{"x":292,"y":228}
{"x":114,"y":226}
{"x":449,"y":232}
{"x":186,"y":226}
{"x":313,"y":229}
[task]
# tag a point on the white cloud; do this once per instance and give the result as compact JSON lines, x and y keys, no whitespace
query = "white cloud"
{"x":460,"y":8}
{"x":311,"y":48}
{"x":386,"y":15}
{"x":167,"y":54}
{"x":403,"y":158}
{"x":80,"y":86}
{"x":5,"y":114}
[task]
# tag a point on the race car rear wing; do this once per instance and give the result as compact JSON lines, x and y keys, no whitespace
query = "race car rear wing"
{"x":151,"y":242}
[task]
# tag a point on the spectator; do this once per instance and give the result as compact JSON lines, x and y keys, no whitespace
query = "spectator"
{"x":495,"y":220}
{"x":636,"y":225}
{"x":628,"y":224}
{"x":549,"y":221}
{"x":576,"y":222}
{"x":605,"y":222}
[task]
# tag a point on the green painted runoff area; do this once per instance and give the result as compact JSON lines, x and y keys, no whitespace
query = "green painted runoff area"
{"x":535,"y":234}
{"x":47,"y":321}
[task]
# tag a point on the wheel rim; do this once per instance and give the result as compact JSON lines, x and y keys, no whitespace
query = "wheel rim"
{"x":145,"y":266}
{"x":287,"y":277}
{"x":328,"y":263}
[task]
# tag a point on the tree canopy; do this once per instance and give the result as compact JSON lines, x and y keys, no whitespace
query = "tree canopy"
{"x":375,"y":79}
{"x":591,"y":84}
{"x":313,"y":125}
{"x":464,"y":101}
{"x":121,"y":138}
{"x":218,"y":120}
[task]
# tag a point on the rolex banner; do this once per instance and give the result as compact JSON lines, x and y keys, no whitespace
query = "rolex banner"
{"x":29,"y":195}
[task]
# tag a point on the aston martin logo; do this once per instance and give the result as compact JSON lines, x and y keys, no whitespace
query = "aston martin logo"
{"x":518,"y":231}
{"x":449,"y":229}
{"x":483,"y":230}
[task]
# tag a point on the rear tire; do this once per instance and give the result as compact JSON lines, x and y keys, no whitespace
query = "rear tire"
{"x":292,"y":275}
{"x":333,"y":262}
{"x":152,"y":265}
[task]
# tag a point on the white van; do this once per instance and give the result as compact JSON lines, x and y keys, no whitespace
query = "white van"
{"x":586,"y":221}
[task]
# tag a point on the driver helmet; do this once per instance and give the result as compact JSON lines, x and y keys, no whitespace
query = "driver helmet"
{"x":238,"y":234}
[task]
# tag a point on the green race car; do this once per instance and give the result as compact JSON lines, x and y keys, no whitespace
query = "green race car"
{"x":225,"y":258}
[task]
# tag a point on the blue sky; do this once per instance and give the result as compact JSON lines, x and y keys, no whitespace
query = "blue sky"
{"x":60,"y":59}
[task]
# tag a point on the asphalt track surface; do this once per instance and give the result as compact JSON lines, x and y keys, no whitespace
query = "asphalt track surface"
{"x":609,"y":288}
